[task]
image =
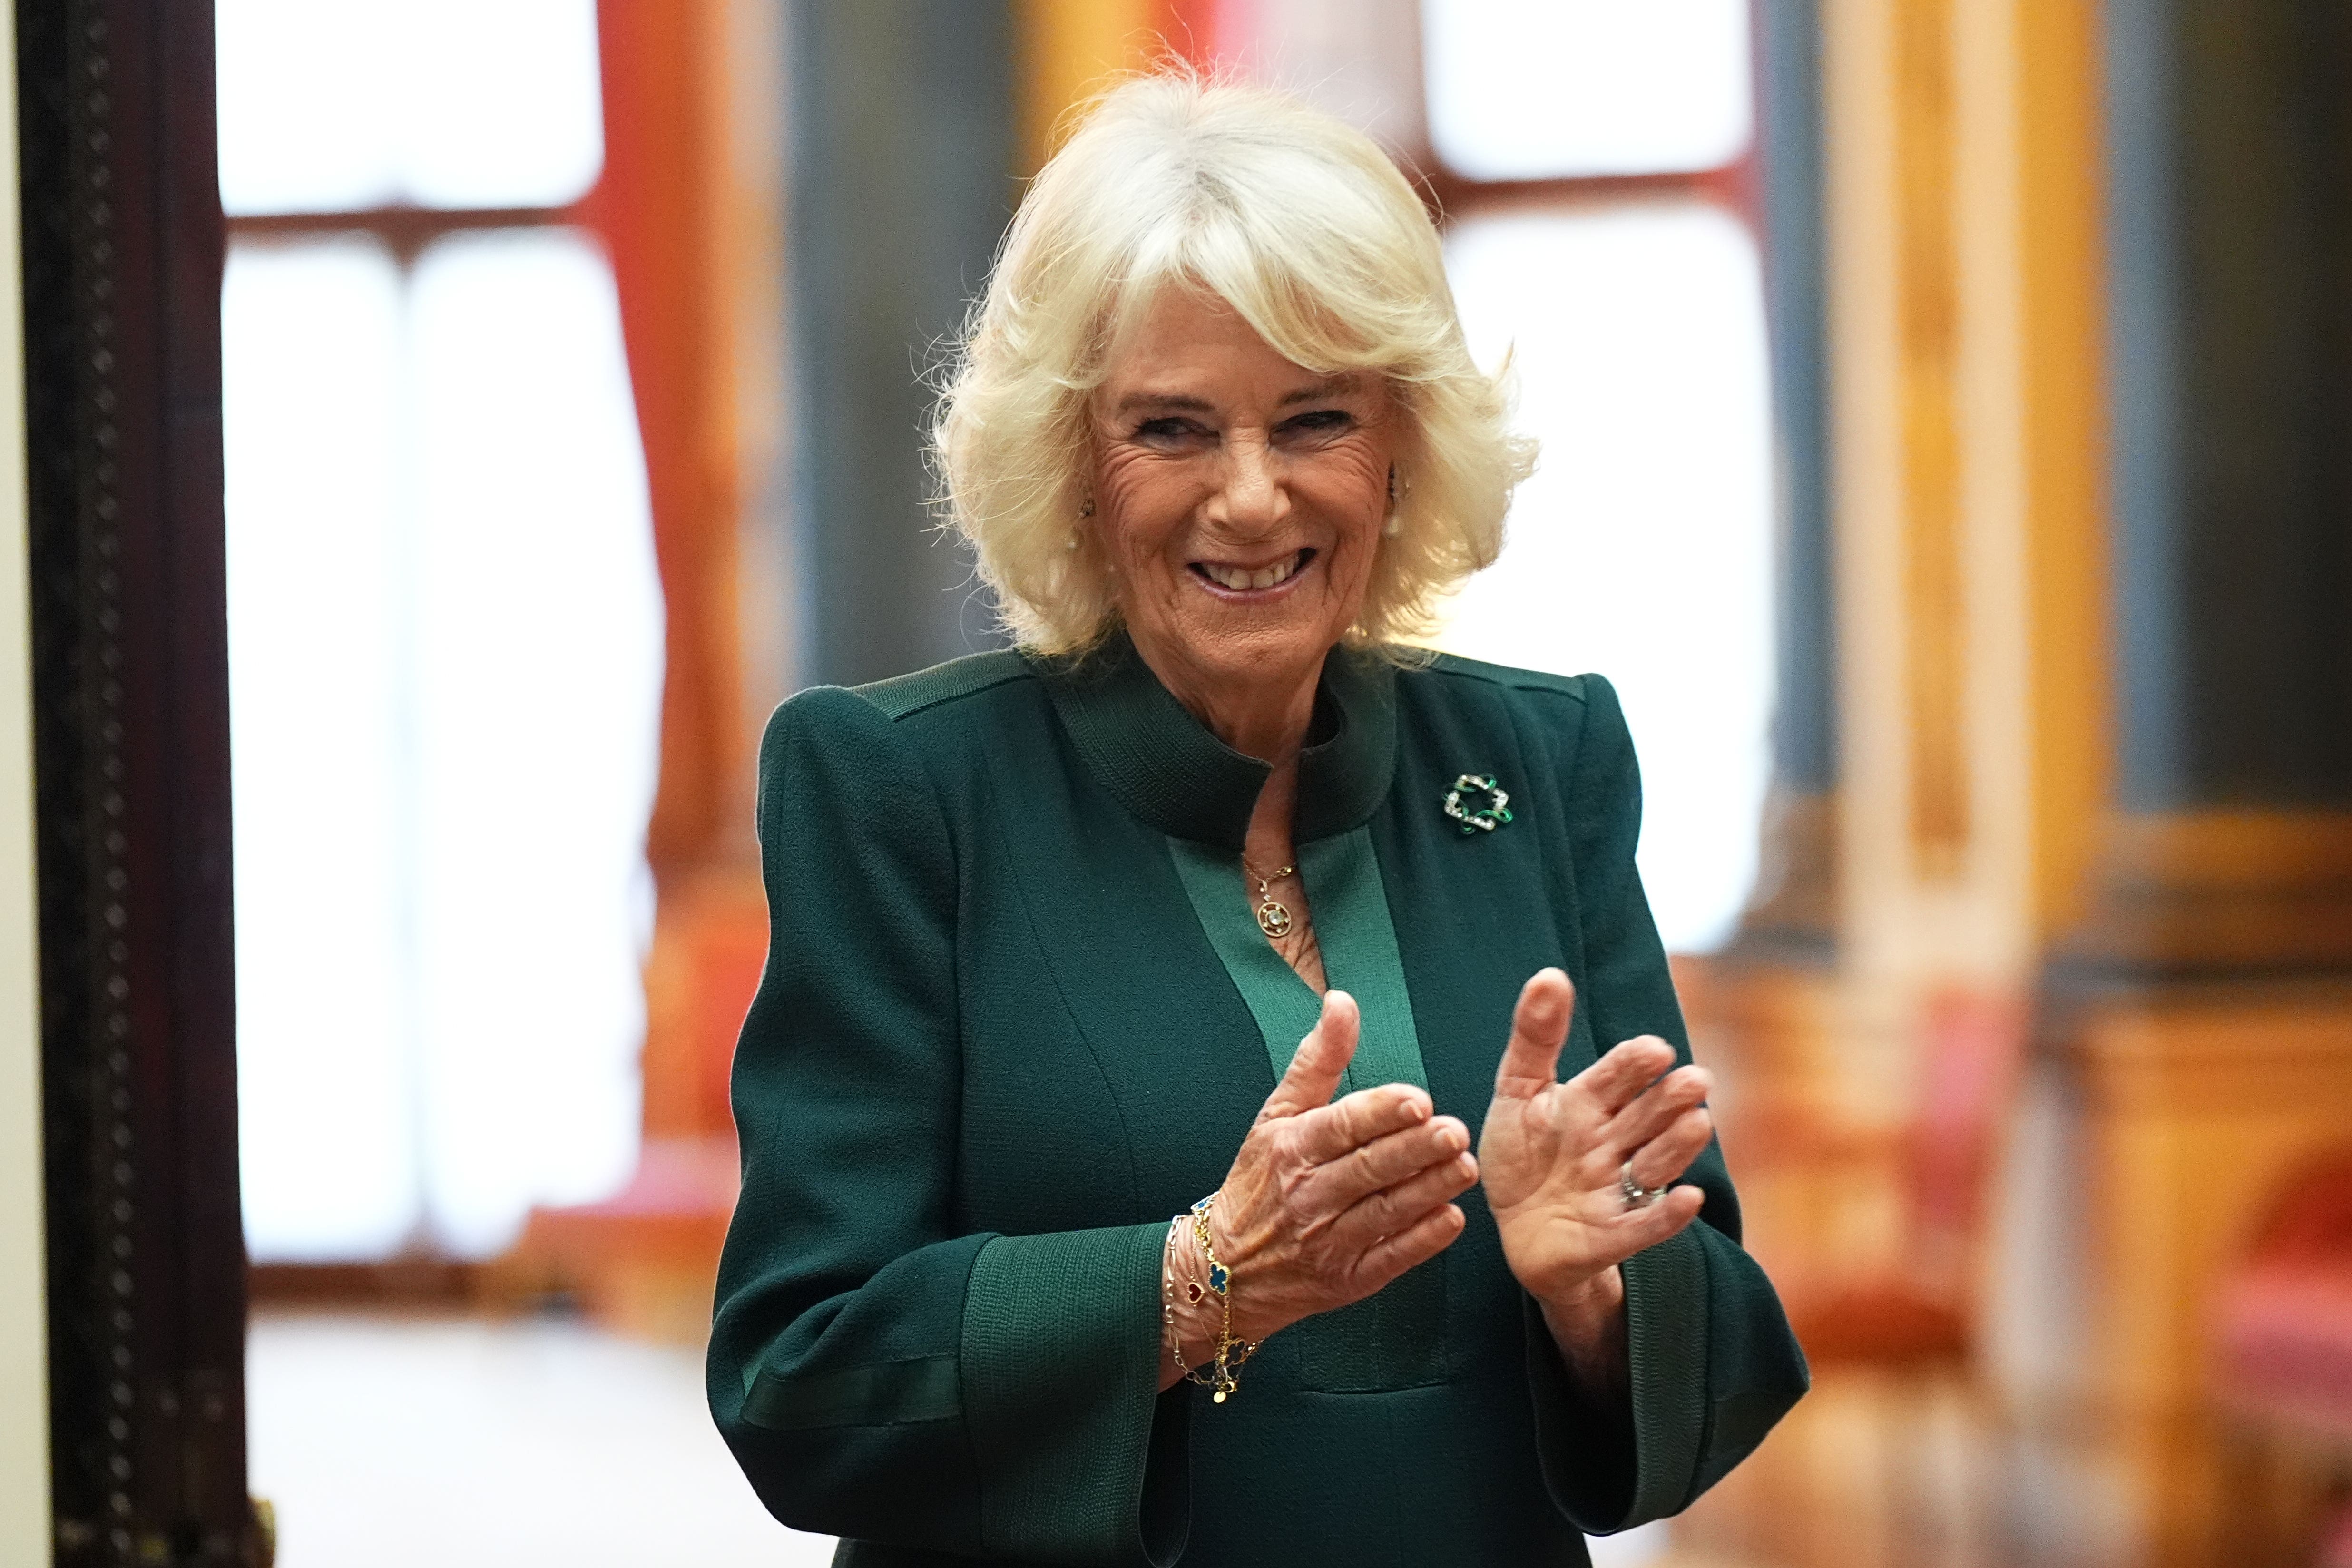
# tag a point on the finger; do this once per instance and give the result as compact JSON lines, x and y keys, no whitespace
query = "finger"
{"x":1530,"y":1061}
{"x":1329,"y":1132}
{"x":1382,"y":1162}
{"x":1402,"y":1205}
{"x":1642,"y":1229}
{"x":1666,"y":1157}
{"x":1656,"y":1107}
{"x":1624,"y":1071}
{"x":1320,"y":1061}
{"x":1408,"y":1249}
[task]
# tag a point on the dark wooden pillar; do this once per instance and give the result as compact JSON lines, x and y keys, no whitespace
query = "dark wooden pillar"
{"x":2231,"y":342}
{"x":122,"y":255}
{"x":2198,"y":1011}
{"x":1795,"y":906}
{"x":903,"y":139}
{"x":2233,"y":394}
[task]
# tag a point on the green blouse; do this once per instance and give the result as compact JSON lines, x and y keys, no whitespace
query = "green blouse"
{"x":1016,"y":1014}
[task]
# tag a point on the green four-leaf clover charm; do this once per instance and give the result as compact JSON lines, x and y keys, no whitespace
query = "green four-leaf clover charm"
{"x":1461,"y":803}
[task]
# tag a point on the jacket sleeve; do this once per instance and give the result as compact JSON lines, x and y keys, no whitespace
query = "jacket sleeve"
{"x":878,"y":1375}
{"x":1714,"y":1363}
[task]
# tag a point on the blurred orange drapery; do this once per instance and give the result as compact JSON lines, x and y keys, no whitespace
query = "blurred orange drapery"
{"x":656,"y":207}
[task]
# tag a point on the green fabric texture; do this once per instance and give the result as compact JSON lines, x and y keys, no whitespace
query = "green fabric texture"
{"x":1395,"y":1338}
{"x":1039,"y":1448}
{"x":1666,"y":1310}
{"x":921,"y":1389}
{"x":1284,"y":1008}
{"x":1003,"y":1034}
{"x":1360,"y":955}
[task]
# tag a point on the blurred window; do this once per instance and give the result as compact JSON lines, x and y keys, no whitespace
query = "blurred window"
{"x":445,"y":625}
{"x":1589,"y":160}
{"x":1540,"y":90}
{"x":341,"y":105}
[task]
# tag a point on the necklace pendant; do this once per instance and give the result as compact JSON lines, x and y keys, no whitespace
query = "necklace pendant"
{"x":1274,"y":919}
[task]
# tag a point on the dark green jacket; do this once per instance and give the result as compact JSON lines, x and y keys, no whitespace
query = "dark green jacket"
{"x":1016,"y":1014}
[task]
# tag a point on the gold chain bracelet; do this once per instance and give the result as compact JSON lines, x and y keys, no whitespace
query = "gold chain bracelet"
{"x":1167,"y":1334}
{"x":1231,"y":1352}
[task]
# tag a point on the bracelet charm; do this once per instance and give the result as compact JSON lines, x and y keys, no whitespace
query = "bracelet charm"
{"x":1231,"y":1352}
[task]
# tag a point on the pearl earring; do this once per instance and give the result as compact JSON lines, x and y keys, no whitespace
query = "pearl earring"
{"x":1391,"y":526}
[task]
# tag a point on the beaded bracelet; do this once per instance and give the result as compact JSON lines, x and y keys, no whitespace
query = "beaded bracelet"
{"x":1231,"y":1352}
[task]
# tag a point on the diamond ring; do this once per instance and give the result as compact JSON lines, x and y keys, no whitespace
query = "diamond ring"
{"x":1637,"y":1196}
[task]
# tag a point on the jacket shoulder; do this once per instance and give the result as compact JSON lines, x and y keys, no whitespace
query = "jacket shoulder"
{"x":904,"y":696}
{"x":866,"y":720}
{"x":1578,"y":717}
{"x":1504,"y":678}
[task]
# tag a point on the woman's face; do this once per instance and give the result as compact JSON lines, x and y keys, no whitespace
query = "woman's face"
{"x":1238,"y":496}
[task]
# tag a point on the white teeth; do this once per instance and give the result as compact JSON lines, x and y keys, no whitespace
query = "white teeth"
{"x":1266,"y":577}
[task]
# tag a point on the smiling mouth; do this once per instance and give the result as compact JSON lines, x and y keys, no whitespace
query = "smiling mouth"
{"x":1244,"y":579}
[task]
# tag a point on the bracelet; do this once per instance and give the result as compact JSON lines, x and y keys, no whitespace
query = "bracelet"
{"x":1167,"y":1334}
{"x":1231,"y":1352}
{"x":1170,"y":1335}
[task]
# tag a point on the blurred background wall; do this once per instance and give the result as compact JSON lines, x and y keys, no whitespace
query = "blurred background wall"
{"x":1943,"y":406}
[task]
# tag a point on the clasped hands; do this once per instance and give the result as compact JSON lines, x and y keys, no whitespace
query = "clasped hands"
{"x":1329,"y":1200}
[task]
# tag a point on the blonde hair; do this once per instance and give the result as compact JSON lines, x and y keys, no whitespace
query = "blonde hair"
{"x":1304,"y":228}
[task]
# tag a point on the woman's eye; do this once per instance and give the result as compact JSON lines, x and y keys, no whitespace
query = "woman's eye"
{"x":1164,"y":429}
{"x":1322,"y":421}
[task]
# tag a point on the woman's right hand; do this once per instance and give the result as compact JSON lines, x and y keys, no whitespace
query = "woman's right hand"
{"x":1327,"y":1202}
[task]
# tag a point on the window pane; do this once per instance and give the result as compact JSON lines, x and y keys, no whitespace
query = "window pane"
{"x":1525,"y":90}
{"x":445,"y":662}
{"x":453,"y":103}
{"x":504,"y":107}
{"x":539,"y":664}
{"x":1641,"y":548}
{"x":318,"y":697}
{"x":306,"y":101}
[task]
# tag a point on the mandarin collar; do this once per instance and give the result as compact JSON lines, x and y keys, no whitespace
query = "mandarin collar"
{"x":1166,"y":769}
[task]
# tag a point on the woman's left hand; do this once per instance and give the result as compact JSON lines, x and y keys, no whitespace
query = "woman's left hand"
{"x":1553,"y":1154}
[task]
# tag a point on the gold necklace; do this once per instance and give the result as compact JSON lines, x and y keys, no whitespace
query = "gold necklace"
{"x":1273,"y":914}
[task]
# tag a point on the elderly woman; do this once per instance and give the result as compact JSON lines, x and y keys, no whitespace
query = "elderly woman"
{"x":1137,"y":998}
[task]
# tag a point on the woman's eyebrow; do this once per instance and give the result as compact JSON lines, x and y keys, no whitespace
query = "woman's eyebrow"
{"x":1136,"y":400}
{"x":1338,"y":385}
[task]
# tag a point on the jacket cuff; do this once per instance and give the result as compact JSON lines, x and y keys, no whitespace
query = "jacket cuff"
{"x":1666,"y":1343}
{"x":1612,"y":1469}
{"x":1080,"y":1458}
{"x":1585,"y":1451}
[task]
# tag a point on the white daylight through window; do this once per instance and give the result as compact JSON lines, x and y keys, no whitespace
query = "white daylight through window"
{"x":1595,"y":242}
{"x":446,"y":631}
{"x":1641,"y":548}
{"x":1547,"y":89}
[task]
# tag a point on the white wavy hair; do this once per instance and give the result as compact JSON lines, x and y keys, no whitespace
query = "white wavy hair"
{"x":1304,"y":228}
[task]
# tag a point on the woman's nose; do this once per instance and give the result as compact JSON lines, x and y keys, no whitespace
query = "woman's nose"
{"x":1253,"y":497}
